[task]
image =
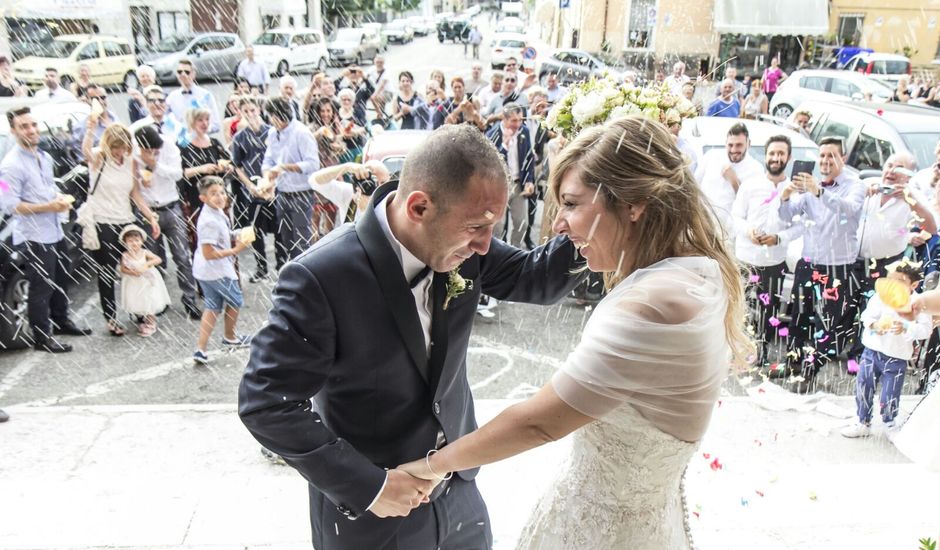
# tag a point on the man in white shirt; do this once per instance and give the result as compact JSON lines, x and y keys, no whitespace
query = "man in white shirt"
{"x":191,"y":96}
{"x":891,"y":212}
{"x":763,"y":238}
{"x":254,"y":72}
{"x":161,"y":167}
{"x":554,"y":89}
{"x":379,"y":76}
{"x":485,"y":95}
{"x":721,"y":172}
{"x":53,"y":91}
{"x":825,"y":281}
{"x":677,"y":79}
{"x":476,"y":81}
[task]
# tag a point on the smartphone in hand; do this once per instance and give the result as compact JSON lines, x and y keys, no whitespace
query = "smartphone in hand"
{"x":802,"y":167}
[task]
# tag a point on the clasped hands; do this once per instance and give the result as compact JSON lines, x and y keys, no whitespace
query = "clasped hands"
{"x":407,"y":487}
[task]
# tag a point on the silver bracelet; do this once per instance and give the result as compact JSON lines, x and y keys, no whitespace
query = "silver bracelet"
{"x":427,"y":462}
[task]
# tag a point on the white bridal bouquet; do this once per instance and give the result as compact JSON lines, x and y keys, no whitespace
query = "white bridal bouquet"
{"x":598,"y":100}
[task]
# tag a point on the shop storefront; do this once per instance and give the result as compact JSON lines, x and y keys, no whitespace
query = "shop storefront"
{"x":753,"y":32}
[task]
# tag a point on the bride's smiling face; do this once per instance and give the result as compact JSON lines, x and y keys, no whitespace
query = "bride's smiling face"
{"x":592,"y":225}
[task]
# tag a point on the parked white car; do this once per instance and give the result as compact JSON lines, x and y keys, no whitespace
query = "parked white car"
{"x":883,"y":66}
{"x":506,"y":46}
{"x":353,"y":45}
{"x":284,"y":50}
{"x":421,"y":25}
{"x":399,"y":31}
{"x":825,"y":85}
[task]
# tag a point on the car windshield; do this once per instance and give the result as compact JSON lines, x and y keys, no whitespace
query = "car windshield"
{"x":512,"y":43}
{"x":922,"y":145}
{"x":890,"y":67}
{"x":347,"y":35}
{"x":396,"y":25}
{"x":170,"y":44}
{"x":272,"y":39}
{"x":56,"y":48}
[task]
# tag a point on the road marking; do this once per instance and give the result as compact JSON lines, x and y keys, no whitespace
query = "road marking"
{"x":15,"y":376}
{"x":100,"y":388}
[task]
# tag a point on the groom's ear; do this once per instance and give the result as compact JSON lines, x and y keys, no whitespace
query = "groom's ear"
{"x":418,"y":206}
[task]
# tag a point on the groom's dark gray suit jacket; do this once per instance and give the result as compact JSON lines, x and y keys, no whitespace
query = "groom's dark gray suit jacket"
{"x":344,"y":328}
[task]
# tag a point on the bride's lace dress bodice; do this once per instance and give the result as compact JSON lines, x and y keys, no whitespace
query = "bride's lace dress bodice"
{"x":620,"y":488}
{"x":648,"y":368}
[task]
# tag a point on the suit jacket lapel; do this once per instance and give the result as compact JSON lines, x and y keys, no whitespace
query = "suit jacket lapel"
{"x":391,"y":279}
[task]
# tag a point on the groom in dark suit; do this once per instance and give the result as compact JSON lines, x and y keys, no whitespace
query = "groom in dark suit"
{"x":373,"y":323}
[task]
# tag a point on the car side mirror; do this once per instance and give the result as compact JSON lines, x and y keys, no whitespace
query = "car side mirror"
{"x":857,"y":96}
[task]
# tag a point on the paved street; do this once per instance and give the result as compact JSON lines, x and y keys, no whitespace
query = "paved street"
{"x":125,"y":443}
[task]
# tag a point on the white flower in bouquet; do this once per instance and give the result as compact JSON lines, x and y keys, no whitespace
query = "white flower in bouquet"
{"x":648,"y":98}
{"x":624,"y":110}
{"x":653,"y":113}
{"x":588,"y":107}
{"x":686,"y":108}
{"x":668,"y":101}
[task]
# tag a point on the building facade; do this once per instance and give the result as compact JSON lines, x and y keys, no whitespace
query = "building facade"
{"x":907,"y":27}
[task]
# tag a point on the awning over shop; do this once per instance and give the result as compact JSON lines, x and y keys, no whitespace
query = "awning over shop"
{"x":772,"y":17}
{"x":62,"y":9}
{"x":279,"y":7}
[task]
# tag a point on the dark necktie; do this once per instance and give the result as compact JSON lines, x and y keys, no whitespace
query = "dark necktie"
{"x":829,"y":183}
{"x":419,"y":277}
{"x":187,"y":92}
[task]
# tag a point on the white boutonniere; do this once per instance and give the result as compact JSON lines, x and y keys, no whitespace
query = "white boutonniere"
{"x":456,"y":285}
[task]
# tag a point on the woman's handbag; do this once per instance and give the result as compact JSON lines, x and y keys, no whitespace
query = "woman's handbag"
{"x":85,"y":218}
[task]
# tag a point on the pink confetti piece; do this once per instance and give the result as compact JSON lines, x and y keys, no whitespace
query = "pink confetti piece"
{"x":754,"y":278}
{"x":774,"y":322}
{"x":4,"y":186}
{"x":852,"y":366}
{"x":783,"y":332}
{"x":759,"y":493}
{"x":772,"y":196}
{"x":716,"y":465}
{"x":764,"y":298}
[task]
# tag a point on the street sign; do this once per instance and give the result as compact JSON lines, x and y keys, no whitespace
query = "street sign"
{"x":564,"y":3}
{"x":528,"y":53}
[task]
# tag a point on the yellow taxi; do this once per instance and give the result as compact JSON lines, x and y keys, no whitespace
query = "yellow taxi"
{"x":110,"y":60}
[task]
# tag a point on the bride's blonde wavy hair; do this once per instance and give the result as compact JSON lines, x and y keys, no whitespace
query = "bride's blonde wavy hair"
{"x":633,"y":160}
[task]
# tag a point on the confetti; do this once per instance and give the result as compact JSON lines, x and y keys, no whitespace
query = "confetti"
{"x":764,"y":298}
{"x":784,"y":332}
{"x":852,"y":366}
{"x":744,"y":501}
{"x":716,"y":465}
{"x":489,"y":215}
{"x":759,"y":493}
{"x":754,"y":278}
{"x":4,"y":186}
{"x":774,"y":322}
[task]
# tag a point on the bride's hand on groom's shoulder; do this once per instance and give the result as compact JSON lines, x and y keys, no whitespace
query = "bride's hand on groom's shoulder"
{"x":402,"y":494}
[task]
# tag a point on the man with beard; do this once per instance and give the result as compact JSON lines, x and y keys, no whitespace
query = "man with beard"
{"x":762,"y":239}
{"x":721,"y":172}
{"x":822,"y":312}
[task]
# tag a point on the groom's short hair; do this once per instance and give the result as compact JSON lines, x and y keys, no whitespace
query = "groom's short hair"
{"x":443,"y":164}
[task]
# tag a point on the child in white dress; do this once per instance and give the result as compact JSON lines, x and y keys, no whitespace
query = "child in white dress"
{"x":143,"y":293}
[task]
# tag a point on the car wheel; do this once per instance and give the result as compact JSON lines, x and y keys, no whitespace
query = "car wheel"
{"x":783,"y":110}
{"x":358,"y":59}
{"x":440,"y":38}
{"x":130,"y":81}
{"x":322,"y":65}
{"x":283,"y":68}
{"x":14,"y":319}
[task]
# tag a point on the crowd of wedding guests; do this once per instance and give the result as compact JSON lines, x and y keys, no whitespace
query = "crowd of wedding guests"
{"x":186,"y":178}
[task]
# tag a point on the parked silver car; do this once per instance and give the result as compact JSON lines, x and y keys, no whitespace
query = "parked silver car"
{"x":353,"y":45}
{"x":574,"y":66}
{"x":215,"y":55}
{"x":874,"y":131}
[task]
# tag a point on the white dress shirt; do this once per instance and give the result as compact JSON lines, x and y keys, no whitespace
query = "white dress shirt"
{"x":755,"y":208}
{"x":58,"y":95}
{"x":714,"y":185}
{"x":884,"y":228}
{"x":179,"y":101}
{"x":900,"y":346}
{"x":411,"y":266}
{"x":830,"y":221}
{"x":676,"y":84}
{"x":169,"y":169}
{"x":512,"y":154}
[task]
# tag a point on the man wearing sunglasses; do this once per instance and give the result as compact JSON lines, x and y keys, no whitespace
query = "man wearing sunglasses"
{"x":162,"y":162}
{"x":508,"y":94}
{"x":191,"y":96}
{"x":94,"y":93}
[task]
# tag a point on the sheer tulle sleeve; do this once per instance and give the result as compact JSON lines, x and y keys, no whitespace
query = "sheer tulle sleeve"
{"x":657,"y":343}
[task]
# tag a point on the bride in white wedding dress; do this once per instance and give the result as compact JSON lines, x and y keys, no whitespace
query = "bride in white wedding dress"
{"x":640,"y":387}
